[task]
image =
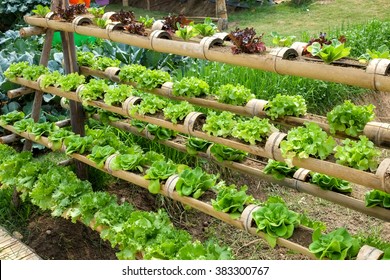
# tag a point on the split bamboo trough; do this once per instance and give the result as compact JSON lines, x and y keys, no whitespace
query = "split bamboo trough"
{"x":204,"y":207}
{"x":377,"y":132}
{"x":284,"y":61}
{"x":298,"y":182}
{"x":192,"y":123}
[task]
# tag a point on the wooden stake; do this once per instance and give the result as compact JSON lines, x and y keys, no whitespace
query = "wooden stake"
{"x":18,"y":92}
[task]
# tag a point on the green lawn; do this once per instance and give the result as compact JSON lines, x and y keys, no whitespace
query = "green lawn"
{"x":305,"y":20}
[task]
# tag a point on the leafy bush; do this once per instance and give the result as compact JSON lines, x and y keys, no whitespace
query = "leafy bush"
{"x":234,"y":94}
{"x":253,"y":130}
{"x":336,"y":245}
{"x":219,"y":125}
{"x":94,"y":90}
{"x":194,"y":182}
{"x":329,"y":53}
{"x":195,"y":145}
{"x":222,"y":153}
{"x":285,"y":105}
{"x":150,"y":104}
{"x":330,"y":183}
{"x":279,"y":170}
{"x":116,"y":95}
{"x":246,"y":41}
{"x":177,"y":112}
{"x":232,"y":200}
{"x":190,"y":87}
{"x":275,"y":220}
{"x":377,"y":198}
{"x":350,"y":118}
{"x":303,"y":142}
{"x":160,"y":170}
{"x":362,"y":154}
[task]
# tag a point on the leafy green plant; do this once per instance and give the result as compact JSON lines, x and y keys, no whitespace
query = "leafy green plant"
{"x":253,"y":130}
{"x":222,"y":153}
{"x":11,"y":117}
{"x":50,"y":79}
{"x":279,"y":170}
{"x":78,"y":144}
{"x":234,"y":94}
{"x":99,"y":154}
{"x":116,"y":95}
{"x":152,"y":156}
{"x":94,"y":90}
{"x":147,"y":21}
{"x":57,"y":137}
{"x":360,"y":154}
{"x":130,"y":73}
{"x":306,"y":141}
{"x":207,"y":28}
{"x":90,"y":204}
{"x":150,"y":104}
{"x":382,"y":52}
{"x":103,"y":62}
{"x":150,"y":79}
{"x":330,"y":183}
{"x":275,"y":220}
{"x":41,"y":11}
{"x":329,"y":53}
{"x":282,"y":41}
{"x":186,"y":32}
{"x":131,"y":162}
{"x":33,"y":72}
{"x":85,"y":58}
{"x":161,"y":133}
{"x":350,"y":118}
{"x":40,"y":129}
{"x":177,"y":112}
{"x":16,"y":69}
{"x":194,"y":182}
{"x":160,"y":170}
{"x":23,"y":125}
{"x":231,"y":200}
{"x":336,"y":245}
{"x":71,"y":81}
{"x":285,"y":105}
{"x":219,"y":124}
{"x":97,"y":12}
{"x":190,"y":87}
{"x":377,"y":198}
{"x":101,"y":22}
{"x":195,"y":145}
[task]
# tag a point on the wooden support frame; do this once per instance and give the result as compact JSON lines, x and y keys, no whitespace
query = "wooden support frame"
{"x":70,"y":65}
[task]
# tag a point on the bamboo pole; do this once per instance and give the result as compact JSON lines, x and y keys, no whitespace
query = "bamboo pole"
{"x":7,"y":139}
{"x":271,"y":149}
{"x":377,"y":132}
{"x":298,"y":185}
{"x":297,"y":67}
{"x":31,"y":31}
{"x":18,"y":92}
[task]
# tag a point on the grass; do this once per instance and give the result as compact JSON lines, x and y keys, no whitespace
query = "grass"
{"x":309,"y":20}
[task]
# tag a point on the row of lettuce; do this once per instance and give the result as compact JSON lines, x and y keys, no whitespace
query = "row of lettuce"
{"x":244,"y":40}
{"x":302,"y":142}
{"x":273,"y":218}
{"x":136,"y":234}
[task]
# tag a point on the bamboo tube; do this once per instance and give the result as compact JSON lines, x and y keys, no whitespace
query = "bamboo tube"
{"x":204,"y":207}
{"x":87,"y":71}
{"x":130,"y":101}
{"x":14,"y":93}
{"x":63,"y":123}
{"x":35,"y":20}
{"x":267,"y":62}
{"x":25,"y":32}
{"x":80,"y":21}
{"x":377,"y":132}
{"x":246,"y":216}
{"x":107,"y":15}
{"x":378,"y":181}
{"x":367,"y":252}
{"x":7,"y":139}
{"x":66,"y":162}
{"x":302,"y":174}
{"x":157,"y":25}
{"x":341,"y":199}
